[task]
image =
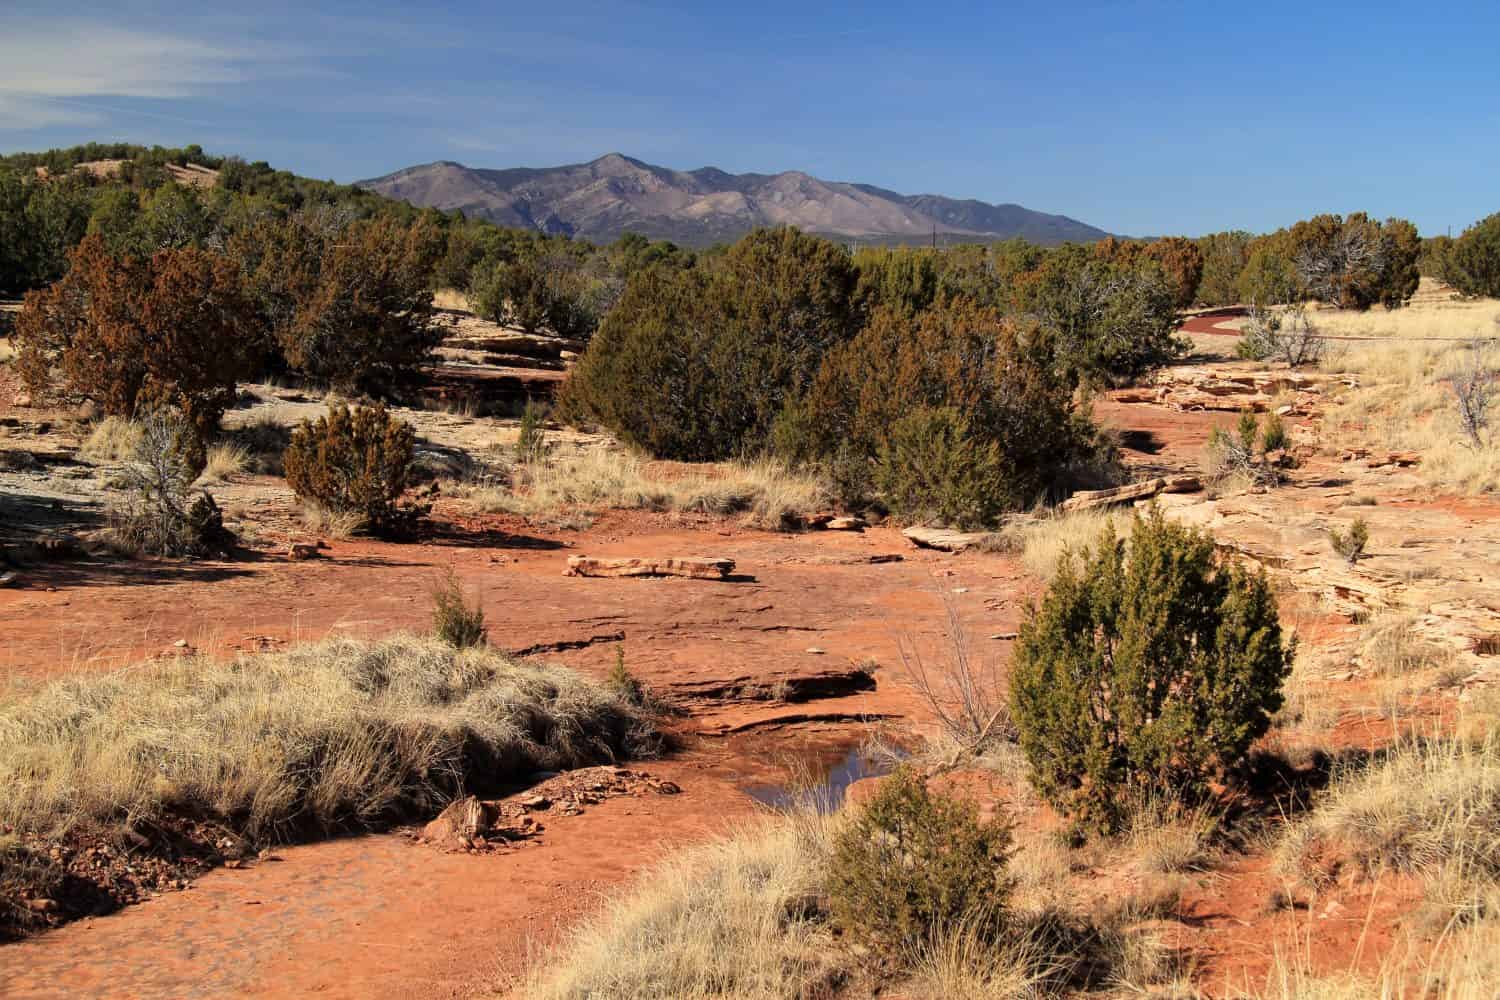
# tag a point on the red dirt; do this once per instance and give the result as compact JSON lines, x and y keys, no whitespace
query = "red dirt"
{"x":381,"y":916}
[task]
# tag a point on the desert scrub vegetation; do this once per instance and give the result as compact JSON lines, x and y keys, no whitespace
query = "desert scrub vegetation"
{"x":1252,"y":454}
{"x":160,"y":515}
{"x":1430,"y":398}
{"x":133,"y":333}
{"x":1021,"y":435}
{"x":275,"y":747}
{"x":454,"y":620}
{"x":912,"y":864}
{"x":1429,"y":807}
{"x":770,"y":495}
{"x":347,"y":301}
{"x":753,"y":915}
{"x":353,"y":462}
{"x":1350,"y":542}
{"x":1149,"y":665}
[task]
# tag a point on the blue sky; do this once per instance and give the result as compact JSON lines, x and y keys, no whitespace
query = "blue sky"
{"x":1138,"y":117}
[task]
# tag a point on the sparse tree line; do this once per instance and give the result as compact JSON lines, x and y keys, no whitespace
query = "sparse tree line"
{"x":944,"y":385}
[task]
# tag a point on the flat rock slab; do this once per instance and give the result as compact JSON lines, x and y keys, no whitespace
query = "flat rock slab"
{"x":692,"y":567}
{"x":944,"y":539}
{"x":1094,"y":499}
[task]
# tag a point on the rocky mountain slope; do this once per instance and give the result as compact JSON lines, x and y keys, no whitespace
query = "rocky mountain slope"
{"x":615,"y":194}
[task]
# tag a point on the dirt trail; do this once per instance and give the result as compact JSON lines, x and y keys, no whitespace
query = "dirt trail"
{"x":372,"y":916}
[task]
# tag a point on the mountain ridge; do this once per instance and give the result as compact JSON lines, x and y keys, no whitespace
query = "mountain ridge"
{"x":604,"y":198}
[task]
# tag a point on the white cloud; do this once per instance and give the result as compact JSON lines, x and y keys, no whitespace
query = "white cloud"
{"x":46,"y":64}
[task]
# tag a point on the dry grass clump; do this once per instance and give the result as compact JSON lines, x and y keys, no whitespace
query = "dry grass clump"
{"x":1165,"y":838}
{"x":340,"y":734}
{"x":1462,"y":964}
{"x":224,"y":460}
{"x":1432,"y":313}
{"x":1424,"y":806}
{"x":1043,"y":541}
{"x":264,"y":441}
{"x":326,"y":523}
{"x":1406,"y":402}
{"x":1392,"y":648}
{"x":738,"y":917}
{"x":451,"y":298}
{"x":770,"y":495}
{"x":113,"y":439}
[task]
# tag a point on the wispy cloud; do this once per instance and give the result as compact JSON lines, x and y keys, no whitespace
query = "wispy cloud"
{"x":47,"y":66}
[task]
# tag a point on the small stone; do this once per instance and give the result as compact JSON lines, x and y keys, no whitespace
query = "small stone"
{"x":181,"y":644}
{"x":815,"y":650}
{"x":303,"y":550}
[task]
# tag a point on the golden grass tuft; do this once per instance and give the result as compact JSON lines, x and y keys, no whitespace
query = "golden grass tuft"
{"x":736,"y":917}
{"x":1166,"y":838}
{"x":113,"y":439}
{"x":339,"y":734}
{"x":1421,"y":807}
{"x":1044,"y":541}
{"x":327,"y":523}
{"x":1392,"y":648}
{"x":451,"y":298}
{"x":225,"y":460}
{"x":1405,"y":403}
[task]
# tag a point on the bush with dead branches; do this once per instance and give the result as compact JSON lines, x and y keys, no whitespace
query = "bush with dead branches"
{"x":967,"y":696}
{"x":1474,"y":389}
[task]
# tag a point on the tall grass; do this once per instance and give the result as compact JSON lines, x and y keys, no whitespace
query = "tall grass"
{"x":735,"y":918}
{"x":113,"y":439}
{"x":333,"y":735}
{"x":1427,"y":806}
{"x":770,"y":495}
{"x":1406,"y":403}
{"x":1044,"y":541}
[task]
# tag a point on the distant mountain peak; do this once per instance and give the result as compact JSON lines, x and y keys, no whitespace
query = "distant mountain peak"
{"x":607,"y":197}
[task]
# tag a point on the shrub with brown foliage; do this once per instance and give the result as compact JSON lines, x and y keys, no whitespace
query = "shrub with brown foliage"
{"x":368,"y":321}
{"x":347,"y":301}
{"x":131,"y":333}
{"x":356,"y":461}
{"x":1182,"y":261}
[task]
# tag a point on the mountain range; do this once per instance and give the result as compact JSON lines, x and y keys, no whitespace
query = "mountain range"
{"x":605,"y":198}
